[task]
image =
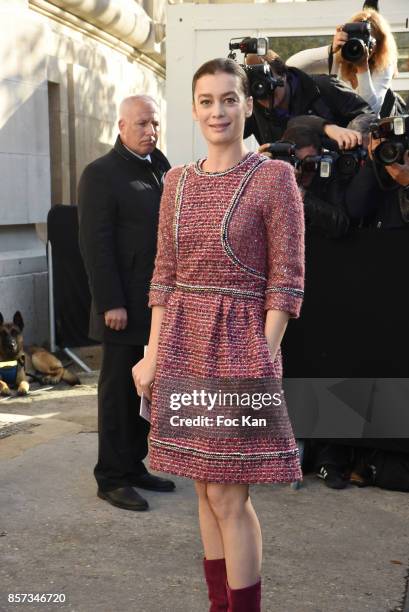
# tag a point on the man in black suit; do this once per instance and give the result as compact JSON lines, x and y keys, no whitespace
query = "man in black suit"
{"x":119,"y":196}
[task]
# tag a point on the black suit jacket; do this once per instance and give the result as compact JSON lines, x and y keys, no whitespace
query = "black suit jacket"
{"x":118,"y":206}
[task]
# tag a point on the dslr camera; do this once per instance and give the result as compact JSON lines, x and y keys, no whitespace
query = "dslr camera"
{"x":344,"y":163}
{"x":394,"y":133}
{"x":317,"y":164}
{"x":262,"y":81}
{"x":359,"y":39}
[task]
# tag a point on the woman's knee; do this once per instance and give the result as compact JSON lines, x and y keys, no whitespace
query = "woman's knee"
{"x":201,"y":489}
{"x":227,"y":501}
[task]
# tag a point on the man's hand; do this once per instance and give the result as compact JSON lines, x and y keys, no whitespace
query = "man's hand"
{"x":400,"y":172}
{"x":345,"y":138}
{"x":373,"y":143}
{"x":264,"y":149}
{"x":116,"y":319}
{"x":339,"y":40}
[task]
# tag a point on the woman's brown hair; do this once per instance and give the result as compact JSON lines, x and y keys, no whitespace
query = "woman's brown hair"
{"x":222,"y":64}
{"x":385,"y":52}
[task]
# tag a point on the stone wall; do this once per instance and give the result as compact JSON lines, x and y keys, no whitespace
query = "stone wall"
{"x":61,"y":80}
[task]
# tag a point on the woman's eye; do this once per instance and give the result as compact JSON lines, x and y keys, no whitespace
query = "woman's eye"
{"x":204,"y":102}
{"x":231,"y":100}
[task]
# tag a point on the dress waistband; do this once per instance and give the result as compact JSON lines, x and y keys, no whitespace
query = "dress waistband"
{"x":223,"y":290}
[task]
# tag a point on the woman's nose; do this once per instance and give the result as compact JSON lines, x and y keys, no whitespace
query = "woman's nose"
{"x":218,"y":109}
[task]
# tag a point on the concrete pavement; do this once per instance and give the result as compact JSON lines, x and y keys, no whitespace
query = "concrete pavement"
{"x":324,"y":550}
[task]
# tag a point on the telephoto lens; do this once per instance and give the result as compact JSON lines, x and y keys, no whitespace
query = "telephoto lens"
{"x":281,"y":149}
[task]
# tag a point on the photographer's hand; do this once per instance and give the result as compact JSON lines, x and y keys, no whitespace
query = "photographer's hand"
{"x":345,"y":138}
{"x":264,"y":150}
{"x":339,"y":40}
{"x":400,"y":172}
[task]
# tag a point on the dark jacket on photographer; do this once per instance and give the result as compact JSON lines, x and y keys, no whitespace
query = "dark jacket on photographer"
{"x":321,"y":98}
{"x":324,"y":207}
{"x":374,"y":199}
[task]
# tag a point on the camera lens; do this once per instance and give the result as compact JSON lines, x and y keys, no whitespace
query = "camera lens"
{"x":353,"y":50}
{"x":347,"y":164}
{"x":389,"y":152}
{"x":309,"y":165}
{"x":258,"y":89}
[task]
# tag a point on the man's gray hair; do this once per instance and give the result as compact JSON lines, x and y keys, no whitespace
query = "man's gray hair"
{"x":130,"y":101}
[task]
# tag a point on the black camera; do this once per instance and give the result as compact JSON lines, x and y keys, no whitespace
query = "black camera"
{"x":261,"y":80}
{"x":323,"y":164}
{"x":359,"y":39}
{"x":349,"y":162}
{"x":394,"y":133}
{"x":317,"y":164}
{"x":285,"y":151}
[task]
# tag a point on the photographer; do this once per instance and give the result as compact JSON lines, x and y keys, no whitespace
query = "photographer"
{"x":324,"y":198}
{"x":379,"y":195}
{"x":327,"y":104}
{"x":363,"y":54}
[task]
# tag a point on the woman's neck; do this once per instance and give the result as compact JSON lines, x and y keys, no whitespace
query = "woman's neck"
{"x":220,"y":159}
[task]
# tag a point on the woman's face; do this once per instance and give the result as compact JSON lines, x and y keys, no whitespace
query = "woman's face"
{"x":221,"y":108}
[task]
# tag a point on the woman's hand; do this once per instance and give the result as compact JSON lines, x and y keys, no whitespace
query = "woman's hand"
{"x":143,"y":374}
{"x":339,"y":40}
{"x":363,"y":64}
{"x":400,"y":172}
{"x":345,"y":138}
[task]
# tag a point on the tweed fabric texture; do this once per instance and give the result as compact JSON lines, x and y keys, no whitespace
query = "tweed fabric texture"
{"x":230,"y":247}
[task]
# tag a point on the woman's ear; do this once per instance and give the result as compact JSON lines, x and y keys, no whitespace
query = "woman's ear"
{"x":249,"y":106}
{"x":194,"y":114}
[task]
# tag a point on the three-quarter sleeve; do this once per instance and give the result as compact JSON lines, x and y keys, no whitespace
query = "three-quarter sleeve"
{"x":284,"y":219}
{"x":164,"y":275}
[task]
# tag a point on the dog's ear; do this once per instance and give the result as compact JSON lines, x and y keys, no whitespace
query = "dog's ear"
{"x":18,"y":320}
{"x":1,"y":319}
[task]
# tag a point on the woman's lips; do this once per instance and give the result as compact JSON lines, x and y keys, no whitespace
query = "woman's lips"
{"x":219,"y":126}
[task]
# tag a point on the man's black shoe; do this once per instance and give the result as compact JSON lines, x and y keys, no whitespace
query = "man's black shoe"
{"x":332,"y":477}
{"x":124,"y":497}
{"x":153,"y":483}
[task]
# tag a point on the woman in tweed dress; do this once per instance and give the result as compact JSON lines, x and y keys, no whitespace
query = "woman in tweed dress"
{"x":228,"y":275}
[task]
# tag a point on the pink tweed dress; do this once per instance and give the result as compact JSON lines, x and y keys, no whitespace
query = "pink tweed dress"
{"x":230,"y":247}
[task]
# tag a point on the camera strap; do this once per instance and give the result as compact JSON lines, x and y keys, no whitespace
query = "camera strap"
{"x":330,"y":58}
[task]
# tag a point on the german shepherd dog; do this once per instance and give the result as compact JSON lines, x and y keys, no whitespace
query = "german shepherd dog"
{"x":15,"y":363}
{"x":12,"y":358}
{"x":49,"y":367}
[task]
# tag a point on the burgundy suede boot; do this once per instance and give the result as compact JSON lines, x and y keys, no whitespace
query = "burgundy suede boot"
{"x":216,"y":578}
{"x":247,"y":599}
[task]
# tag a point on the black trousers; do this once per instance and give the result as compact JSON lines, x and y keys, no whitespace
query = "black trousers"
{"x":122,"y":433}
{"x":337,"y":455}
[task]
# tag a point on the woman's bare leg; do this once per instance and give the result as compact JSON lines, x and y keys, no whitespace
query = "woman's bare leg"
{"x":240,"y":531}
{"x":209,"y":528}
